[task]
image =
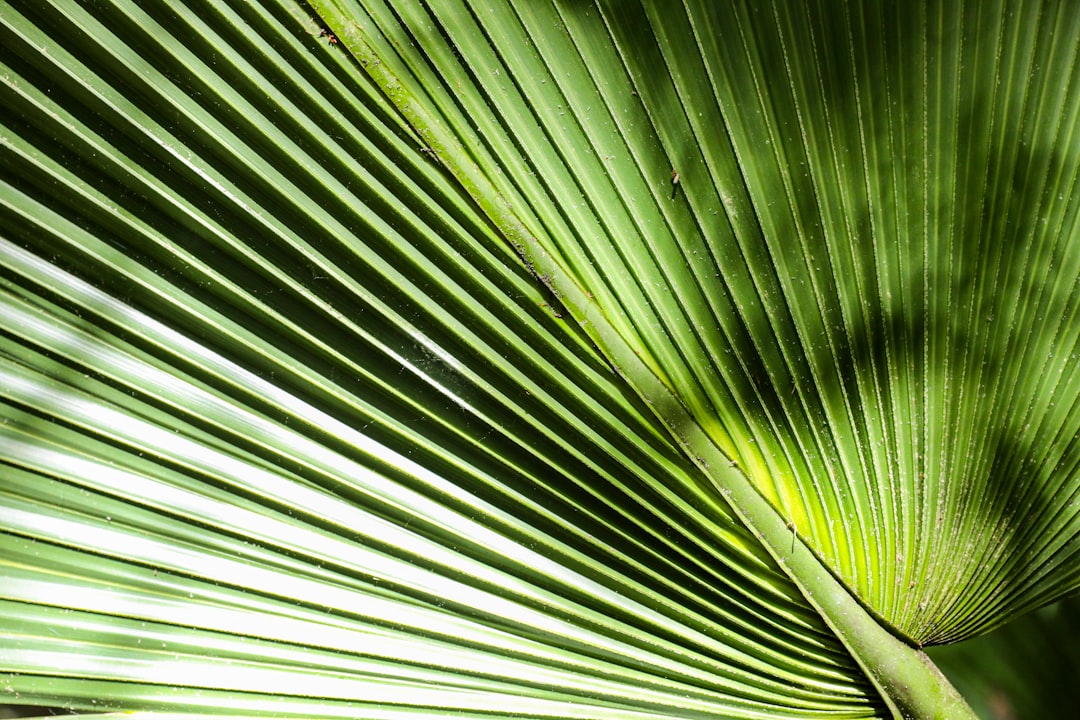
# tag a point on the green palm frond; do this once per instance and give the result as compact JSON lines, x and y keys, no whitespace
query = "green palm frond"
{"x":547,"y":359}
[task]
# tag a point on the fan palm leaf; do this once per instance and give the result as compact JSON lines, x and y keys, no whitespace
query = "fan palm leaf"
{"x":554,"y":359}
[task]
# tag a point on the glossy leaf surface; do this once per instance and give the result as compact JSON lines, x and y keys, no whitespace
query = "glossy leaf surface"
{"x":398,"y":371}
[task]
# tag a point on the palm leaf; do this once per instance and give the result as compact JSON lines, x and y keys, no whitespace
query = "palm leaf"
{"x":395,"y":376}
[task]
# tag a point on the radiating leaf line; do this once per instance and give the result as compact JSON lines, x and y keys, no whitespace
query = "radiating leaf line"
{"x":271,"y":410}
{"x":189,"y":454}
{"x":418,"y":316}
{"x":696,"y":445}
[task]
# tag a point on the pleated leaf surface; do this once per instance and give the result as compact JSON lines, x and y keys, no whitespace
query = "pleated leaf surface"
{"x":365,"y":374}
{"x":863,"y":285}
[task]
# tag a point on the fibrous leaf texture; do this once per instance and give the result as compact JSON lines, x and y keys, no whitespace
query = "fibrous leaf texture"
{"x":542,"y":359}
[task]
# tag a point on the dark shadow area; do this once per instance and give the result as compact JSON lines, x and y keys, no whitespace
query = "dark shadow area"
{"x":28,"y":711}
{"x":1026,"y":670}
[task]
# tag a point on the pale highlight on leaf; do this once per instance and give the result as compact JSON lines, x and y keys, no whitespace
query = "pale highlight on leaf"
{"x":290,"y":430}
